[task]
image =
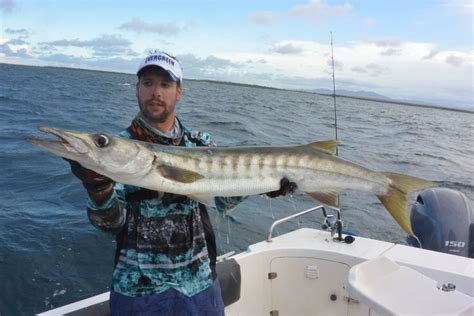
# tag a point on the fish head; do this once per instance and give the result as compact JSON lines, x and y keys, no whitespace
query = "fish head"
{"x":115,"y":157}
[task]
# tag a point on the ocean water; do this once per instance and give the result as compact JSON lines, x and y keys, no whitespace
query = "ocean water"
{"x":50,"y":255}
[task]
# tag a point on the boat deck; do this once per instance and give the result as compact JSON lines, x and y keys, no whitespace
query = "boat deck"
{"x":308,"y":272}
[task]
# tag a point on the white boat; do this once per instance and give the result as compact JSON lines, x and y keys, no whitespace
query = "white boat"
{"x":324,"y":272}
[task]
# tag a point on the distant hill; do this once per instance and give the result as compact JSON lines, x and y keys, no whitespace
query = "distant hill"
{"x":372,"y":96}
{"x":353,"y":94}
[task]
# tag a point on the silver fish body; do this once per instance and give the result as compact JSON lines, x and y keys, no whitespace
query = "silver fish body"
{"x":203,"y":173}
{"x":254,"y":170}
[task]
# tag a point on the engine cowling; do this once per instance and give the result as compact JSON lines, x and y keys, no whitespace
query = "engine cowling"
{"x":443,"y":220}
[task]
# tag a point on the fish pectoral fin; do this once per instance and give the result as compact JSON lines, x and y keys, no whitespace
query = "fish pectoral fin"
{"x":327,"y":146}
{"x":204,"y":199}
{"x":178,"y":174}
{"x":329,"y":198}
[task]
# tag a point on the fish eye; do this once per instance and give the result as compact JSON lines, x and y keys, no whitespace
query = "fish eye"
{"x":101,"y":140}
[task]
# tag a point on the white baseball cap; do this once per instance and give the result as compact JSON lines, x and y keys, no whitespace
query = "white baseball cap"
{"x":165,"y":61}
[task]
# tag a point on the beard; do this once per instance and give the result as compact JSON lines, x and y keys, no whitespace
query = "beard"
{"x":155,"y":111}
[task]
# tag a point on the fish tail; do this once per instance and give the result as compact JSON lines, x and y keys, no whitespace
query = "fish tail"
{"x":396,"y":200}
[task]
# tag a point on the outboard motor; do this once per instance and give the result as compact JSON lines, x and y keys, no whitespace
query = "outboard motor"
{"x":443,"y":220}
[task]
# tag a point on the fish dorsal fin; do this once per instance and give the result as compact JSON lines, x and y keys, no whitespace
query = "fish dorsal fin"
{"x":178,"y":174}
{"x":328,"y":198}
{"x":328,"y":146}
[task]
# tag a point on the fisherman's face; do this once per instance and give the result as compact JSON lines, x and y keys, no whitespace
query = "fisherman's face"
{"x":157,"y":97}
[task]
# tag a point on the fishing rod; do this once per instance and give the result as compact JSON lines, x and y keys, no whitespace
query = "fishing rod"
{"x":334,"y":92}
{"x":335,"y":113}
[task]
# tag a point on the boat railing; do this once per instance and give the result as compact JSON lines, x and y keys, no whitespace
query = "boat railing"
{"x":331,"y":223}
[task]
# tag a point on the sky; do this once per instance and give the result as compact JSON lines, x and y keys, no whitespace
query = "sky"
{"x":418,"y":50}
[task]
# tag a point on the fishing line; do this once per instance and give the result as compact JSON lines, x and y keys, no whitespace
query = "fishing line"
{"x":218,"y":226}
{"x":334,"y":92}
{"x":295,"y":209}
{"x":271,"y":209}
{"x":228,"y":230}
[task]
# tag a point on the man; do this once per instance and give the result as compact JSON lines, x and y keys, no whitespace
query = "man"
{"x":166,"y":253}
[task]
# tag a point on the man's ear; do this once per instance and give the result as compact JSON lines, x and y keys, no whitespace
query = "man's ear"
{"x":179,"y":92}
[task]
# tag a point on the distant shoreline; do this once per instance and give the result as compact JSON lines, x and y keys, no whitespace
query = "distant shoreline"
{"x":391,"y":101}
{"x":339,"y":95}
{"x":402,"y":103}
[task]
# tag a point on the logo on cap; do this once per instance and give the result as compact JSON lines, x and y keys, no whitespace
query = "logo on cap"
{"x":163,"y":60}
{"x":159,"y":58}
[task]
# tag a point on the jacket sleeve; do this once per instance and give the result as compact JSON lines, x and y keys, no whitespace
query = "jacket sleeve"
{"x":110,"y":216}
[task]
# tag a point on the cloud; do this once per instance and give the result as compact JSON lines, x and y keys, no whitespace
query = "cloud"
{"x":17,"y":46}
{"x":225,"y":69}
{"x":263,"y":18}
{"x":207,"y":65}
{"x":64,"y":59}
{"x":431,"y":54}
{"x":391,"y":52}
{"x":406,"y":76}
{"x":455,"y":61}
{"x":318,"y":7}
{"x":387,"y":46}
{"x":9,"y":50}
{"x":109,"y":45}
{"x":18,"y":41}
{"x":287,"y":49}
{"x":109,"y":64}
{"x":405,"y":73}
{"x":6,"y":5}
{"x":104,"y":41}
{"x":213,"y":67}
{"x":386,"y":42}
{"x":337,"y":65}
{"x":19,"y":32}
{"x":139,"y":26}
{"x":372,"y":69}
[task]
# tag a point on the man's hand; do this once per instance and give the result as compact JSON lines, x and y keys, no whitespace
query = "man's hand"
{"x":91,"y":180}
{"x":286,"y":187}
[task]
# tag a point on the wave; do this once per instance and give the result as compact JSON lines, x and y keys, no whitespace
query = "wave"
{"x":4,"y":98}
{"x":464,"y":187}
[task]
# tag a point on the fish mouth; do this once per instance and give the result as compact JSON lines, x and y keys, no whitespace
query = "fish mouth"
{"x":67,"y":143}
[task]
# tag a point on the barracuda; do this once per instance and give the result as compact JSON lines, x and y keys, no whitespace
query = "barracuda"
{"x":202,"y":173}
